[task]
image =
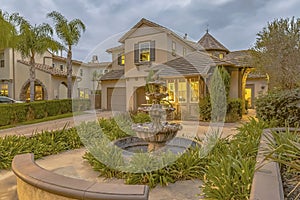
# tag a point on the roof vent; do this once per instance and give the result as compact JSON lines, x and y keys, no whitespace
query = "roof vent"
{"x":185,"y":36}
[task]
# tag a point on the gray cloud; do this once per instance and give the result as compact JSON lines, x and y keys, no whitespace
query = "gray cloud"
{"x":234,"y":23}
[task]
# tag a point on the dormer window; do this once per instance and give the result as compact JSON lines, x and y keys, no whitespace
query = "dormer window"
{"x":61,"y":68}
{"x":144,"y":52}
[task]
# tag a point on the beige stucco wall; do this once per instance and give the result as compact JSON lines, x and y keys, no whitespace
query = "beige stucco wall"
{"x":260,"y":85}
{"x":161,"y":46}
{"x":22,"y":76}
{"x":234,"y":85}
{"x":179,"y":47}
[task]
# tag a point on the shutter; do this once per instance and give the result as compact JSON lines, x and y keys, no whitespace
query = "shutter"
{"x":119,"y":59}
{"x":136,"y":53}
{"x":152,"y":51}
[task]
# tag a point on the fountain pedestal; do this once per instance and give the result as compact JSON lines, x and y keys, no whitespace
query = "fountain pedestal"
{"x":157,"y":133}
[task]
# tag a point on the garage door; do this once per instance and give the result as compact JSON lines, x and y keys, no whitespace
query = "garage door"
{"x":116,"y":99}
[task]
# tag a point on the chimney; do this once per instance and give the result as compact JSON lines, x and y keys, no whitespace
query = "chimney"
{"x":185,"y":36}
{"x":95,"y":59}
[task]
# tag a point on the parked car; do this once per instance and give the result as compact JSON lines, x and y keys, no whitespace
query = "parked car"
{"x":4,"y":99}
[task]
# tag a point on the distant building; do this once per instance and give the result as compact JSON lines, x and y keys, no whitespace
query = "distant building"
{"x":51,"y":76}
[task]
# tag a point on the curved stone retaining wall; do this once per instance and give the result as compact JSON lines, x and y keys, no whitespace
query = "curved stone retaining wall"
{"x":35,"y":182}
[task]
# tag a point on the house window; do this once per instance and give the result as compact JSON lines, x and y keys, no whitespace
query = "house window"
{"x":221,"y":55}
{"x":81,"y":72}
{"x":1,"y":60}
{"x":81,"y":93}
{"x":61,"y":68}
{"x":173,"y":48}
{"x":183,"y":51}
{"x":144,"y":51}
{"x":39,"y":93}
{"x":4,"y":90}
{"x":182,"y":90}
{"x":194,"y":89}
{"x":171,"y":90}
{"x":121,"y":59}
{"x":53,"y":65}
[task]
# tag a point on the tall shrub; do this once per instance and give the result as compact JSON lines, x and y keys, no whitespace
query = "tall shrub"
{"x":279,"y":107}
{"x":219,"y":91}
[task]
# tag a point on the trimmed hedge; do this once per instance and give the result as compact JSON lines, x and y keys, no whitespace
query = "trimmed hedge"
{"x":233,"y":113}
{"x":20,"y":112}
{"x":279,"y":108}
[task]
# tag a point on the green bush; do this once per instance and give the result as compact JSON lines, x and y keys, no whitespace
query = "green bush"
{"x":279,"y":107}
{"x":141,"y":118}
{"x":205,"y":109}
{"x":38,"y":109}
{"x":6,"y":112}
{"x":53,"y":107}
{"x":234,"y":110}
{"x":65,"y":106}
{"x":233,"y":114}
{"x":20,"y":111}
{"x":42,"y":144}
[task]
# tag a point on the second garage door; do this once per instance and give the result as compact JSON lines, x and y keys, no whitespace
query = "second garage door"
{"x":116,"y":99}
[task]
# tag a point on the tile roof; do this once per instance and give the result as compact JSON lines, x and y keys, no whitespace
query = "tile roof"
{"x":208,"y":42}
{"x":46,"y":68}
{"x":194,"y":63}
{"x":239,"y":58}
{"x":113,"y":75}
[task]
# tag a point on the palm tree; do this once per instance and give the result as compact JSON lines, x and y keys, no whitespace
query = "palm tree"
{"x":35,"y":40}
{"x":8,"y":32}
{"x":69,"y":33}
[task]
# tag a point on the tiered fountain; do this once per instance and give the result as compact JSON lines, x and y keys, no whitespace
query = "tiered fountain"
{"x":156,"y":133}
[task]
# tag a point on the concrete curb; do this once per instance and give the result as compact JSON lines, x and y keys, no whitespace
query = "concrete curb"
{"x":267,"y":182}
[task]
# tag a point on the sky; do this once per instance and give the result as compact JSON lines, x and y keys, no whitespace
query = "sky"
{"x":234,"y":23}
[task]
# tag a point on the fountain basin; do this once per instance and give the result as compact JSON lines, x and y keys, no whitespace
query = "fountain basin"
{"x":132,"y":145}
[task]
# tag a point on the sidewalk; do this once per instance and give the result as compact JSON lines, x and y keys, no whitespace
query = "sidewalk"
{"x":71,"y":164}
{"x":54,"y":124}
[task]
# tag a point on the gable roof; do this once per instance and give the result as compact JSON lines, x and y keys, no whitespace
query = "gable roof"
{"x":113,"y":75}
{"x":149,"y":23}
{"x":208,"y":42}
{"x":195,"y":63}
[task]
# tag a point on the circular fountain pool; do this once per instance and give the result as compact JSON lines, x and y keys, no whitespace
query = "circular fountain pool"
{"x":132,"y":145}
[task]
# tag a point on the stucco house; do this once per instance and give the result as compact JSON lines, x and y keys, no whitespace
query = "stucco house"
{"x":51,"y":76}
{"x":184,"y":65}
